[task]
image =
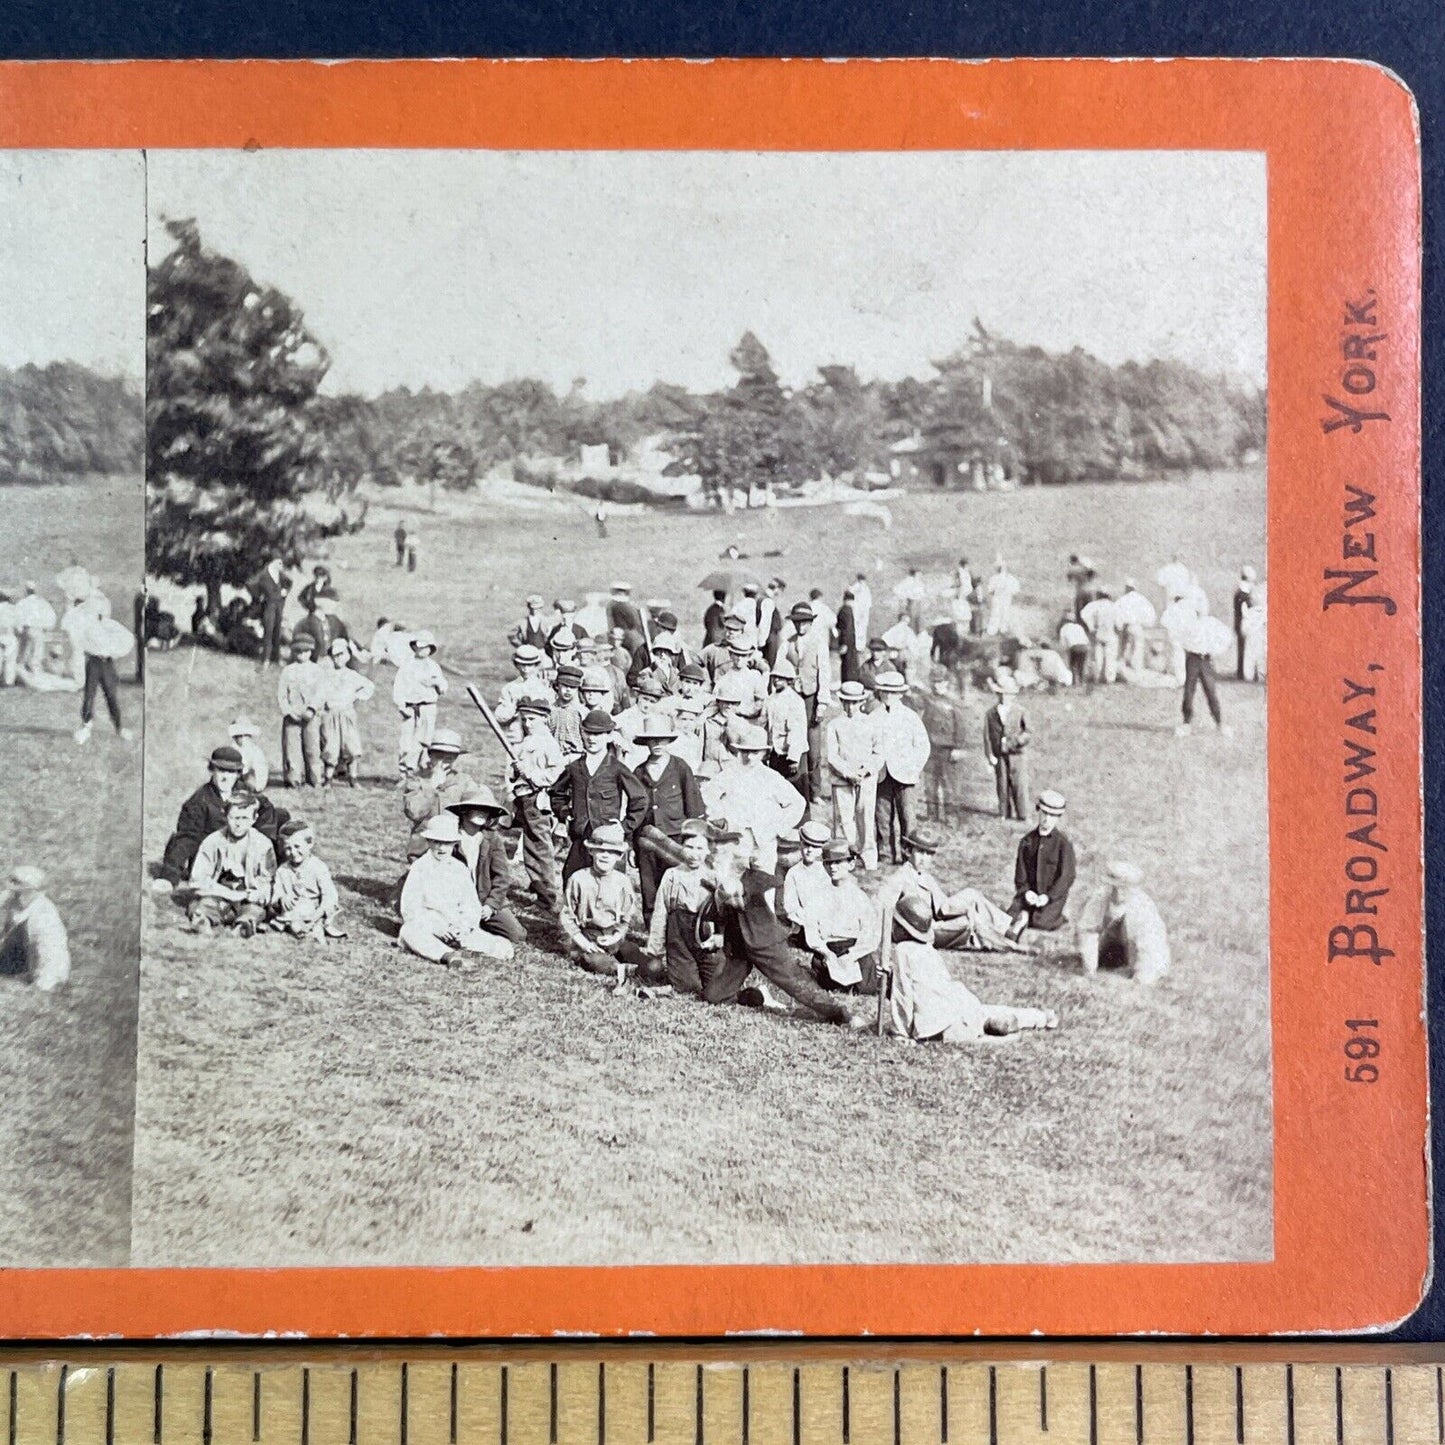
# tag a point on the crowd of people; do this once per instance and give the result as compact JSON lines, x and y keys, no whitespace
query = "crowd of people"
{"x":747,"y":812}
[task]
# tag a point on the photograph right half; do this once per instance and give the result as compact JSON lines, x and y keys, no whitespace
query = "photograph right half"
{"x":715,"y":713}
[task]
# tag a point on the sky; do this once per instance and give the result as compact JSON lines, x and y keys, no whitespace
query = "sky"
{"x":72,"y":259}
{"x":629,"y":267}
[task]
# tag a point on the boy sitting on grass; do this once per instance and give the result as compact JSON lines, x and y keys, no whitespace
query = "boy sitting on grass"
{"x":304,"y":902}
{"x":232,"y":873}
{"x":598,"y":907}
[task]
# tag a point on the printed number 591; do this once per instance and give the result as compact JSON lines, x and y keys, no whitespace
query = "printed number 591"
{"x":1360,"y":1047}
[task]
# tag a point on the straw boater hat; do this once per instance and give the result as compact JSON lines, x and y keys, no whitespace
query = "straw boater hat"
{"x":598,"y":721}
{"x":527,"y":655}
{"x":1051,"y":802}
{"x":923,"y":839}
{"x":562,"y":639}
{"x":655,"y":729}
{"x":444,"y":740}
{"x":226,"y":760}
{"x":814,"y":834}
{"x":480,"y":798}
{"x":443,"y":828}
{"x":607,"y":838}
{"x":739,"y":646}
{"x":889,"y":682}
{"x":1126,"y":874}
{"x":852,"y":692}
{"x":423,"y":641}
{"x":914,"y":915}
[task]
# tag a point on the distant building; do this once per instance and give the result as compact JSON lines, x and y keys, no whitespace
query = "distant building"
{"x":936,"y":462}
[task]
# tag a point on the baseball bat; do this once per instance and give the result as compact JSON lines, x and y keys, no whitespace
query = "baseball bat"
{"x":663,"y":848}
{"x":491,"y":721}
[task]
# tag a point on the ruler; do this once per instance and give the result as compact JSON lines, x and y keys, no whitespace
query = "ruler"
{"x":788,"y":1394}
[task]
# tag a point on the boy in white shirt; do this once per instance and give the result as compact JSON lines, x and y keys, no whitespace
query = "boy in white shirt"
{"x":441,"y":917}
{"x":304,"y":902}
{"x":232,"y":872}
{"x":420,"y":681}
{"x":854,"y":759}
{"x":255,"y":770}
{"x":342,"y":688}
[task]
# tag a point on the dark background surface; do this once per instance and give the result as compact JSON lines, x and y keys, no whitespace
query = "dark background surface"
{"x":1408,"y":36}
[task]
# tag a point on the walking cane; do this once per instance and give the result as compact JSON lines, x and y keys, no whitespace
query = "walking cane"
{"x":885,"y":972}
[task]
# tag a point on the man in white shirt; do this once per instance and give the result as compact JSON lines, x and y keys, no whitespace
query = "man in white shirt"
{"x":754,"y":799}
{"x":903,"y":749}
{"x":808,"y":652}
{"x":853,"y":761}
{"x":806,"y":882}
{"x":34,"y":617}
{"x":842,"y":927}
{"x":785,"y":718}
{"x":1000,"y":589}
{"x":862,"y":605}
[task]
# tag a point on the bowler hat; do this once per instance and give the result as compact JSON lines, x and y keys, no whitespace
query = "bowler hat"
{"x":598,"y":721}
{"x":923,"y":839}
{"x":666,"y":620}
{"x":226,"y":760}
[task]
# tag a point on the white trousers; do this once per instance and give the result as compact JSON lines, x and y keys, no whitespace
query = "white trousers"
{"x":418,"y":724}
{"x":854,"y":805}
{"x":429,"y":937}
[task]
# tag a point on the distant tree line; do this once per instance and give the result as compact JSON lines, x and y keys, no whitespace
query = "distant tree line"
{"x":246,"y":459}
{"x":63,"y":421}
{"x":1057,"y":418}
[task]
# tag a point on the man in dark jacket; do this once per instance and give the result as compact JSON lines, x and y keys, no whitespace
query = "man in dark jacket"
{"x":321,"y":623}
{"x":269,"y":588}
{"x":851,"y":647}
{"x":596,"y":788}
{"x":1043,"y":871}
{"x":673,"y":796}
{"x":713,"y":632}
{"x":204,"y":812}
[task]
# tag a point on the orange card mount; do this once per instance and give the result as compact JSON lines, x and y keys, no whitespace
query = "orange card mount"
{"x":1091,"y":390}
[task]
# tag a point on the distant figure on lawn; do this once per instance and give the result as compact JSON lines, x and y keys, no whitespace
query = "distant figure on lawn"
{"x":399,"y":536}
{"x":1120,"y":928}
{"x":102,"y":641}
{"x":33,"y":940}
{"x":1005,"y":747}
{"x":269,"y":588}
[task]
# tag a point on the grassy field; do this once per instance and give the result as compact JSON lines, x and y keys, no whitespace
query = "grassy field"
{"x":349,"y":1104}
{"x":65,"y":1134}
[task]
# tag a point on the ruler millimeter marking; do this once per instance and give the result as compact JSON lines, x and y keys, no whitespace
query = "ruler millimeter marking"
{"x":480,"y":1398}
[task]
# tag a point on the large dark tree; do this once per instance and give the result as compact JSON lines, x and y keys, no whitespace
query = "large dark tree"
{"x":235,"y":446}
{"x":63,"y":421}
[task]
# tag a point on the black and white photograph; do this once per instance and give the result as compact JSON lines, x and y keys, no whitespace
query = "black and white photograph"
{"x":702,"y":708}
{"x":72,"y":367}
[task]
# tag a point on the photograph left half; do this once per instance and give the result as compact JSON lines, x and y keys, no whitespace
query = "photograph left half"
{"x":73,"y":624}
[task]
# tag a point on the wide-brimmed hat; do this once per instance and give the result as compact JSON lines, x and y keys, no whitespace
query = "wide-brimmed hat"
{"x":26,"y":875}
{"x":692,"y":672}
{"x":227,"y":760}
{"x":923,"y":839}
{"x":889,"y":682}
{"x":242,"y":727}
{"x":606,"y":838}
{"x":666,"y":642}
{"x":1126,"y":873}
{"x":1051,"y":802}
{"x":913,"y":913}
{"x":655,"y":729}
{"x":527,"y":655}
{"x":691,"y":706}
{"x":814,"y":834}
{"x":445,"y":740}
{"x":730,"y":688}
{"x":1005,"y":684}
{"x":423,"y":641}
{"x":852,"y":692}
{"x":648,"y":687}
{"x":598,"y":721}
{"x":784,"y":669}
{"x":837,"y":850}
{"x":443,"y":828}
{"x":479,"y":797}
{"x":746,"y":737}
